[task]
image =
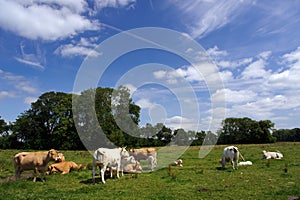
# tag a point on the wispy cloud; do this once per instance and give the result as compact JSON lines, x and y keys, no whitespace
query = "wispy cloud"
{"x":36,"y":59}
{"x":203,"y":17}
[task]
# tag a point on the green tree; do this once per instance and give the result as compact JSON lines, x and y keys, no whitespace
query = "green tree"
{"x":48,"y":123}
{"x":245,"y":130}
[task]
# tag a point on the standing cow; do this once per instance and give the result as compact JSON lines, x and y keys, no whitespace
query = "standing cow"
{"x":108,"y":158}
{"x":230,"y":154}
{"x":36,"y":161}
{"x":149,"y":154}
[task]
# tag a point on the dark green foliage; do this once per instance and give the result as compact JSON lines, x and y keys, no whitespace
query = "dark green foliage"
{"x":245,"y":130}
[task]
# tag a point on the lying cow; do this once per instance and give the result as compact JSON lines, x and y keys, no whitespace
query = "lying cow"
{"x":36,"y":161}
{"x":64,"y":167}
{"x":60,"y":158}
{"x":177,"y":163}
{"x":145,"y":154}
{"x":271,"y":155}
{"x":133,"y":168}
{"x":245,"y":163}
{"x":108,"y":158}
{"x":230,"y":154}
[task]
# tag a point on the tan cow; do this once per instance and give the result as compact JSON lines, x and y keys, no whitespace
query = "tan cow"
{"x":145,"y":154}
{"x":64,"y":167}
{"x":36,"y":161}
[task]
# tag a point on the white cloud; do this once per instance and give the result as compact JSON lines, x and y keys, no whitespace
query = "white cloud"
{"x":47,"y":20}
{"x":100,"y":4}
{"x":6,"y":94}
{"x":70,"y":50}
{"x":144,"y":103}
{"x":29,"y":100}
{"x":204,"y":17}
{"x":256,"y":70}
{"x":234,"y":96}
{"x":19,"y":83}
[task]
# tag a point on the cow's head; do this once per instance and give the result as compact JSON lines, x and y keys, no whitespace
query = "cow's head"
{"x":52,"y":154}
{"x":60,"y":157}
{"x":124,"y":153}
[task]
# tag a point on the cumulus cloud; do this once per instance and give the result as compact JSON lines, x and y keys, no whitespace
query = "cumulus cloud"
{"x":47,"y":20}
{"x":234,"y":96}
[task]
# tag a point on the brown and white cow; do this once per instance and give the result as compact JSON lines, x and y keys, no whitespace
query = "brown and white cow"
{"x":36,"y":161}
{"x":64,"y":167}
{"x":230,"y":154}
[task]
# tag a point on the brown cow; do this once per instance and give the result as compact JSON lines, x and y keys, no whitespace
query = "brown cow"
{"x":36,"y":161}
{"x":64,"y":167}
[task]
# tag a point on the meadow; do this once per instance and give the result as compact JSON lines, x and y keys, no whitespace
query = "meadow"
{"x":197,"y":179}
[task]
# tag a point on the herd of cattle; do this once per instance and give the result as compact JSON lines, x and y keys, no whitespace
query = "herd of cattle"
{"x":113,"y":160}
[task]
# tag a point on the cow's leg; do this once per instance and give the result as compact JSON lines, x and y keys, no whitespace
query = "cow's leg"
{"x":118,"y":169}
{"x":35,"y":171}
{"x":42,"y":172}
{"x":18,"y":173}
{"x":102,"y":171}
{"x":93,"y":171}
{"x":232,"y":164}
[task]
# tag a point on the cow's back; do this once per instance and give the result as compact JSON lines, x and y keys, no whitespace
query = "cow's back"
{"x":108,"y":156}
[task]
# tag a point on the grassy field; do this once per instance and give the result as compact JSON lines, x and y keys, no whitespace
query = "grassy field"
{"x":197,"y":179}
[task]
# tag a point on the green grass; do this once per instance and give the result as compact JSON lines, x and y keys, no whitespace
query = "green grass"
{"x":197,"y":179}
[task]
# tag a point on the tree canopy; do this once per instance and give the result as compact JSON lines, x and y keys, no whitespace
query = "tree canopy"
{"x":105,"y":117}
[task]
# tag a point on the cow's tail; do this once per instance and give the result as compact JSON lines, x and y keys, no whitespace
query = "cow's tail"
{"x":242,"y":157}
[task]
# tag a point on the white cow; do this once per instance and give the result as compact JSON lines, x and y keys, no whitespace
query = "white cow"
{"x":271,"y":155}
{"x":230,"y":154}
{"x":151,"y":162}
{"x":108,"y":158}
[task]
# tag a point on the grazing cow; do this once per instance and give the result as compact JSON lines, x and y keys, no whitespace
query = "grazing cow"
{"x":177,"y":163}
{"x":145,"y":154}
{"x":64,"y":167}
{"x":271,"y":155}
{"x":36,"y":161}
{"x":60,"y":158}
{"x":108,"y":158}
{"x":230,"y":154}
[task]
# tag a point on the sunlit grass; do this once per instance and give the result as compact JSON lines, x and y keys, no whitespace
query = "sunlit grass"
{"x":197,"y":179}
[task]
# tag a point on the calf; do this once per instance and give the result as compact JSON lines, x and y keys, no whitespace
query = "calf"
{"x":64,"y":167}
{"x":108,"y":158}
{"x":271,"y":155}
{"x":36,"y":161}
{"x":230,"y":154}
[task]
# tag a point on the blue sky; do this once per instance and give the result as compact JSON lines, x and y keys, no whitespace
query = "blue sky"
{"x":255,"y":46}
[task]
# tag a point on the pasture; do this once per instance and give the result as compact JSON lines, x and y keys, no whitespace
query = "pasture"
{"x":197,"y":179}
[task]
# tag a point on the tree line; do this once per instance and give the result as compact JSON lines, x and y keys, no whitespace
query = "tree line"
{"x":54,"y":122}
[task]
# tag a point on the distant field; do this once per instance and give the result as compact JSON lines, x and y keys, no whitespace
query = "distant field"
{"x":197,"y":179}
